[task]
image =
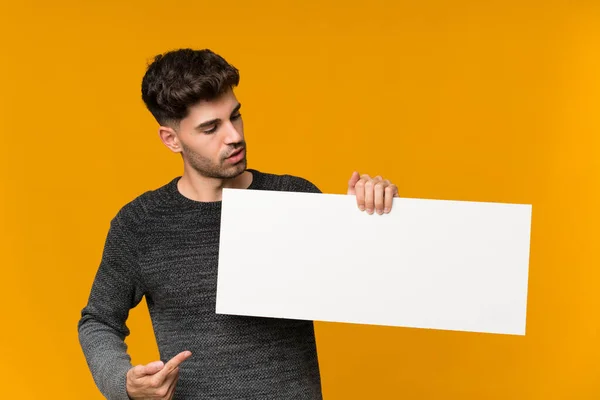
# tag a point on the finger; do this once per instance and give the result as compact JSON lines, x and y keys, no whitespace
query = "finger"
{"x":360,"y":194}
{"x":171,"y":377}
{"x":369,"y":196}
{"x":352,"y":182}
{"x":391,"y":191}
{"x":140,"y":371}
{"x":171,"y":365}
{"x":379,"y":193}
{"x":172,"y":387}
{"x":161,"y":389}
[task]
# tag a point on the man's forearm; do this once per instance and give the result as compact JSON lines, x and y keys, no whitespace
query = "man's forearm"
{"x":106,"y":355}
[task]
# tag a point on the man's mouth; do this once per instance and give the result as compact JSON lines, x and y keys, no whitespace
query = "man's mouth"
{"x":237,"y":155}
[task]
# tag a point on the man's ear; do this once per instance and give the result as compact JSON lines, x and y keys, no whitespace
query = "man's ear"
{"x":169,"y":138}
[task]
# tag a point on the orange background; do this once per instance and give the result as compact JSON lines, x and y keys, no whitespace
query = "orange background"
{"x":466,"y":100}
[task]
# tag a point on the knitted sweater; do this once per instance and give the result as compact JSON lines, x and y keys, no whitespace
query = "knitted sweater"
{"x":164,"y":246}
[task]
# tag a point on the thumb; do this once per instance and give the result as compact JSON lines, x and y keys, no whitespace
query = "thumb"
{"x":152,"y":368}
{"x":352,"y":182}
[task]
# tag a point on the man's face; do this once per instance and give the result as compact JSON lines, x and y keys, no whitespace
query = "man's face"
{"x":212,"y":138}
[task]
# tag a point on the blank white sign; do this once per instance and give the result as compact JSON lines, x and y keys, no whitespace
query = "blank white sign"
{"x":438,"y":264}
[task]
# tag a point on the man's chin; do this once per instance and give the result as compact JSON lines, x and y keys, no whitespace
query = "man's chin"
{"x":236,"y":170}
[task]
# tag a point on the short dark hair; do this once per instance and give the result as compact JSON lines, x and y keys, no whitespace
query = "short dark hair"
{"x":178,"y":79}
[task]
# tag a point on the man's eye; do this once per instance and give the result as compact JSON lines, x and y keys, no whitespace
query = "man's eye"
{"x":236,"y":116}
{"x":211,"y":130}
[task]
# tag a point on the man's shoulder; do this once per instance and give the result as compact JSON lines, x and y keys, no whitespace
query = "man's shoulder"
{"x":282,"y":182}
{"x":136,"y":210}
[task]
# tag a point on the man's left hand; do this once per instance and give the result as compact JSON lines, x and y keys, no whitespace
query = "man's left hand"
{"x":372,"y":194}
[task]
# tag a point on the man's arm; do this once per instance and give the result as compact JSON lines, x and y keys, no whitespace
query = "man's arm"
{"x":102,"y":327}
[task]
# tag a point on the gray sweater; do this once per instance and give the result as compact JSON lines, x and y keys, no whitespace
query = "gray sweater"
{"x":164,"y":246}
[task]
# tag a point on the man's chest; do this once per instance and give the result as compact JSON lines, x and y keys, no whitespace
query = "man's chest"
{"x":178,"y":261}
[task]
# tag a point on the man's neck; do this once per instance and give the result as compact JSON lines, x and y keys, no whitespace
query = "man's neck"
{"x":200,"y":188}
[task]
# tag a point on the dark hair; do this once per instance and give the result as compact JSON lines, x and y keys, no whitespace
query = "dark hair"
{"x":180,"y":78}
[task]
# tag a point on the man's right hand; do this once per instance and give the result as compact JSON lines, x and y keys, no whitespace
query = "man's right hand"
{"x":155,"y":380}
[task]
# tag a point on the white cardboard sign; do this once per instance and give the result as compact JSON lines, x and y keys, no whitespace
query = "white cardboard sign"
{"x":438,"y":264}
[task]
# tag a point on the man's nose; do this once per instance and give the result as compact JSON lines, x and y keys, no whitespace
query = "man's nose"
{"x":231,"y":134}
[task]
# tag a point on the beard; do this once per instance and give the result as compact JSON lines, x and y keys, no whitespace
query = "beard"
{"x":216,"y":170}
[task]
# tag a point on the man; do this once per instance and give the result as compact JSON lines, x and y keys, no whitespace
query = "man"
{"x":164,"y":245}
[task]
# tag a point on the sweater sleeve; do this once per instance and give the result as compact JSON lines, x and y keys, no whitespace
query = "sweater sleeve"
{"x":102,"y":327}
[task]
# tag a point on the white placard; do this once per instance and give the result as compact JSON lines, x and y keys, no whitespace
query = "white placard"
{"x":438,"y":264}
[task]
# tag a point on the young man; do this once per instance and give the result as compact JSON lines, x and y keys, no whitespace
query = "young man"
{"x":164,"y":245}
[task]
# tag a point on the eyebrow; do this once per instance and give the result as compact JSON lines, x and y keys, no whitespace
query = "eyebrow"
{"x":211,"y":122}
